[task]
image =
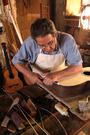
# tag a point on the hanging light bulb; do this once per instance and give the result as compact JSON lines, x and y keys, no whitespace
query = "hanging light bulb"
{"x":85,"y":17}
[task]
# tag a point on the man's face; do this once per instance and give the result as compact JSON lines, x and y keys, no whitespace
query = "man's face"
{"x":47,"y":43}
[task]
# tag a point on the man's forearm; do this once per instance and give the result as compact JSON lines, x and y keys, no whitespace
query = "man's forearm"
{"x":29,"y":76}
{"x":24,"y":69}
{"x":69,"y":71}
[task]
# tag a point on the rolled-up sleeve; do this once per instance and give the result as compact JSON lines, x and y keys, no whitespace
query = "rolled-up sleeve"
{"x":21,"y":56}
{"x":27,"y":53}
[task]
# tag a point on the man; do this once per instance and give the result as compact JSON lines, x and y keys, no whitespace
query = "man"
{"x":46,"y":49}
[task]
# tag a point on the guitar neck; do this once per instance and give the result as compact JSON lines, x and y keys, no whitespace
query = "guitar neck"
{"x":1,"y":75}
{"x":7,"y":60}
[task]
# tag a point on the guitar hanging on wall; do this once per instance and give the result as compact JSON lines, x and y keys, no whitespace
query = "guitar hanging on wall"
{"x":12,"y":82}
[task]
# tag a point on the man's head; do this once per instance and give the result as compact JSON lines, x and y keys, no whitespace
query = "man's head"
{"x":41,"y":27}
{"x":44,"y":32}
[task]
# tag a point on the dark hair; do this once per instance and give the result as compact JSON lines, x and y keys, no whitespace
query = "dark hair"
{"x":42,"y":27}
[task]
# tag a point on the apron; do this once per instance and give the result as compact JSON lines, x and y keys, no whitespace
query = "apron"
{"x":48,"y":63}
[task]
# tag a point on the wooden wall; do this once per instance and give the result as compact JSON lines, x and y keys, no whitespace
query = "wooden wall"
{"x":26,"y":11}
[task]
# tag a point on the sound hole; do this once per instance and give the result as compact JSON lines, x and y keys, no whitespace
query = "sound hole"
{"x":86,"y":73}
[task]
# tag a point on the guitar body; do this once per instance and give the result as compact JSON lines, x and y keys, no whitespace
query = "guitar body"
{"x":12,"y":84}
{"x":77,"y":79}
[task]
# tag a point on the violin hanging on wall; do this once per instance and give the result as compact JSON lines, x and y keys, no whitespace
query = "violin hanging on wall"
{"x":12,"y":82}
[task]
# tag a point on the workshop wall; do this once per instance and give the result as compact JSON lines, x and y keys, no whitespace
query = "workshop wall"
{"x":26,"y":11}
{"x":60,"y":7}
{"x":67,"y":18}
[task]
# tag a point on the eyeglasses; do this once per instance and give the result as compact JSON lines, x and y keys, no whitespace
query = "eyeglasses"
{"x":46,"y":45}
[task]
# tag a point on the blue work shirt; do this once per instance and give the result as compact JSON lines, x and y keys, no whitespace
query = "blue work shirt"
{"x":30,"y":49}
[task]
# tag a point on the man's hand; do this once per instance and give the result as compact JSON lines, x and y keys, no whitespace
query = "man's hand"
{"x":33,"y":78}
{"x":50,"y":78}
